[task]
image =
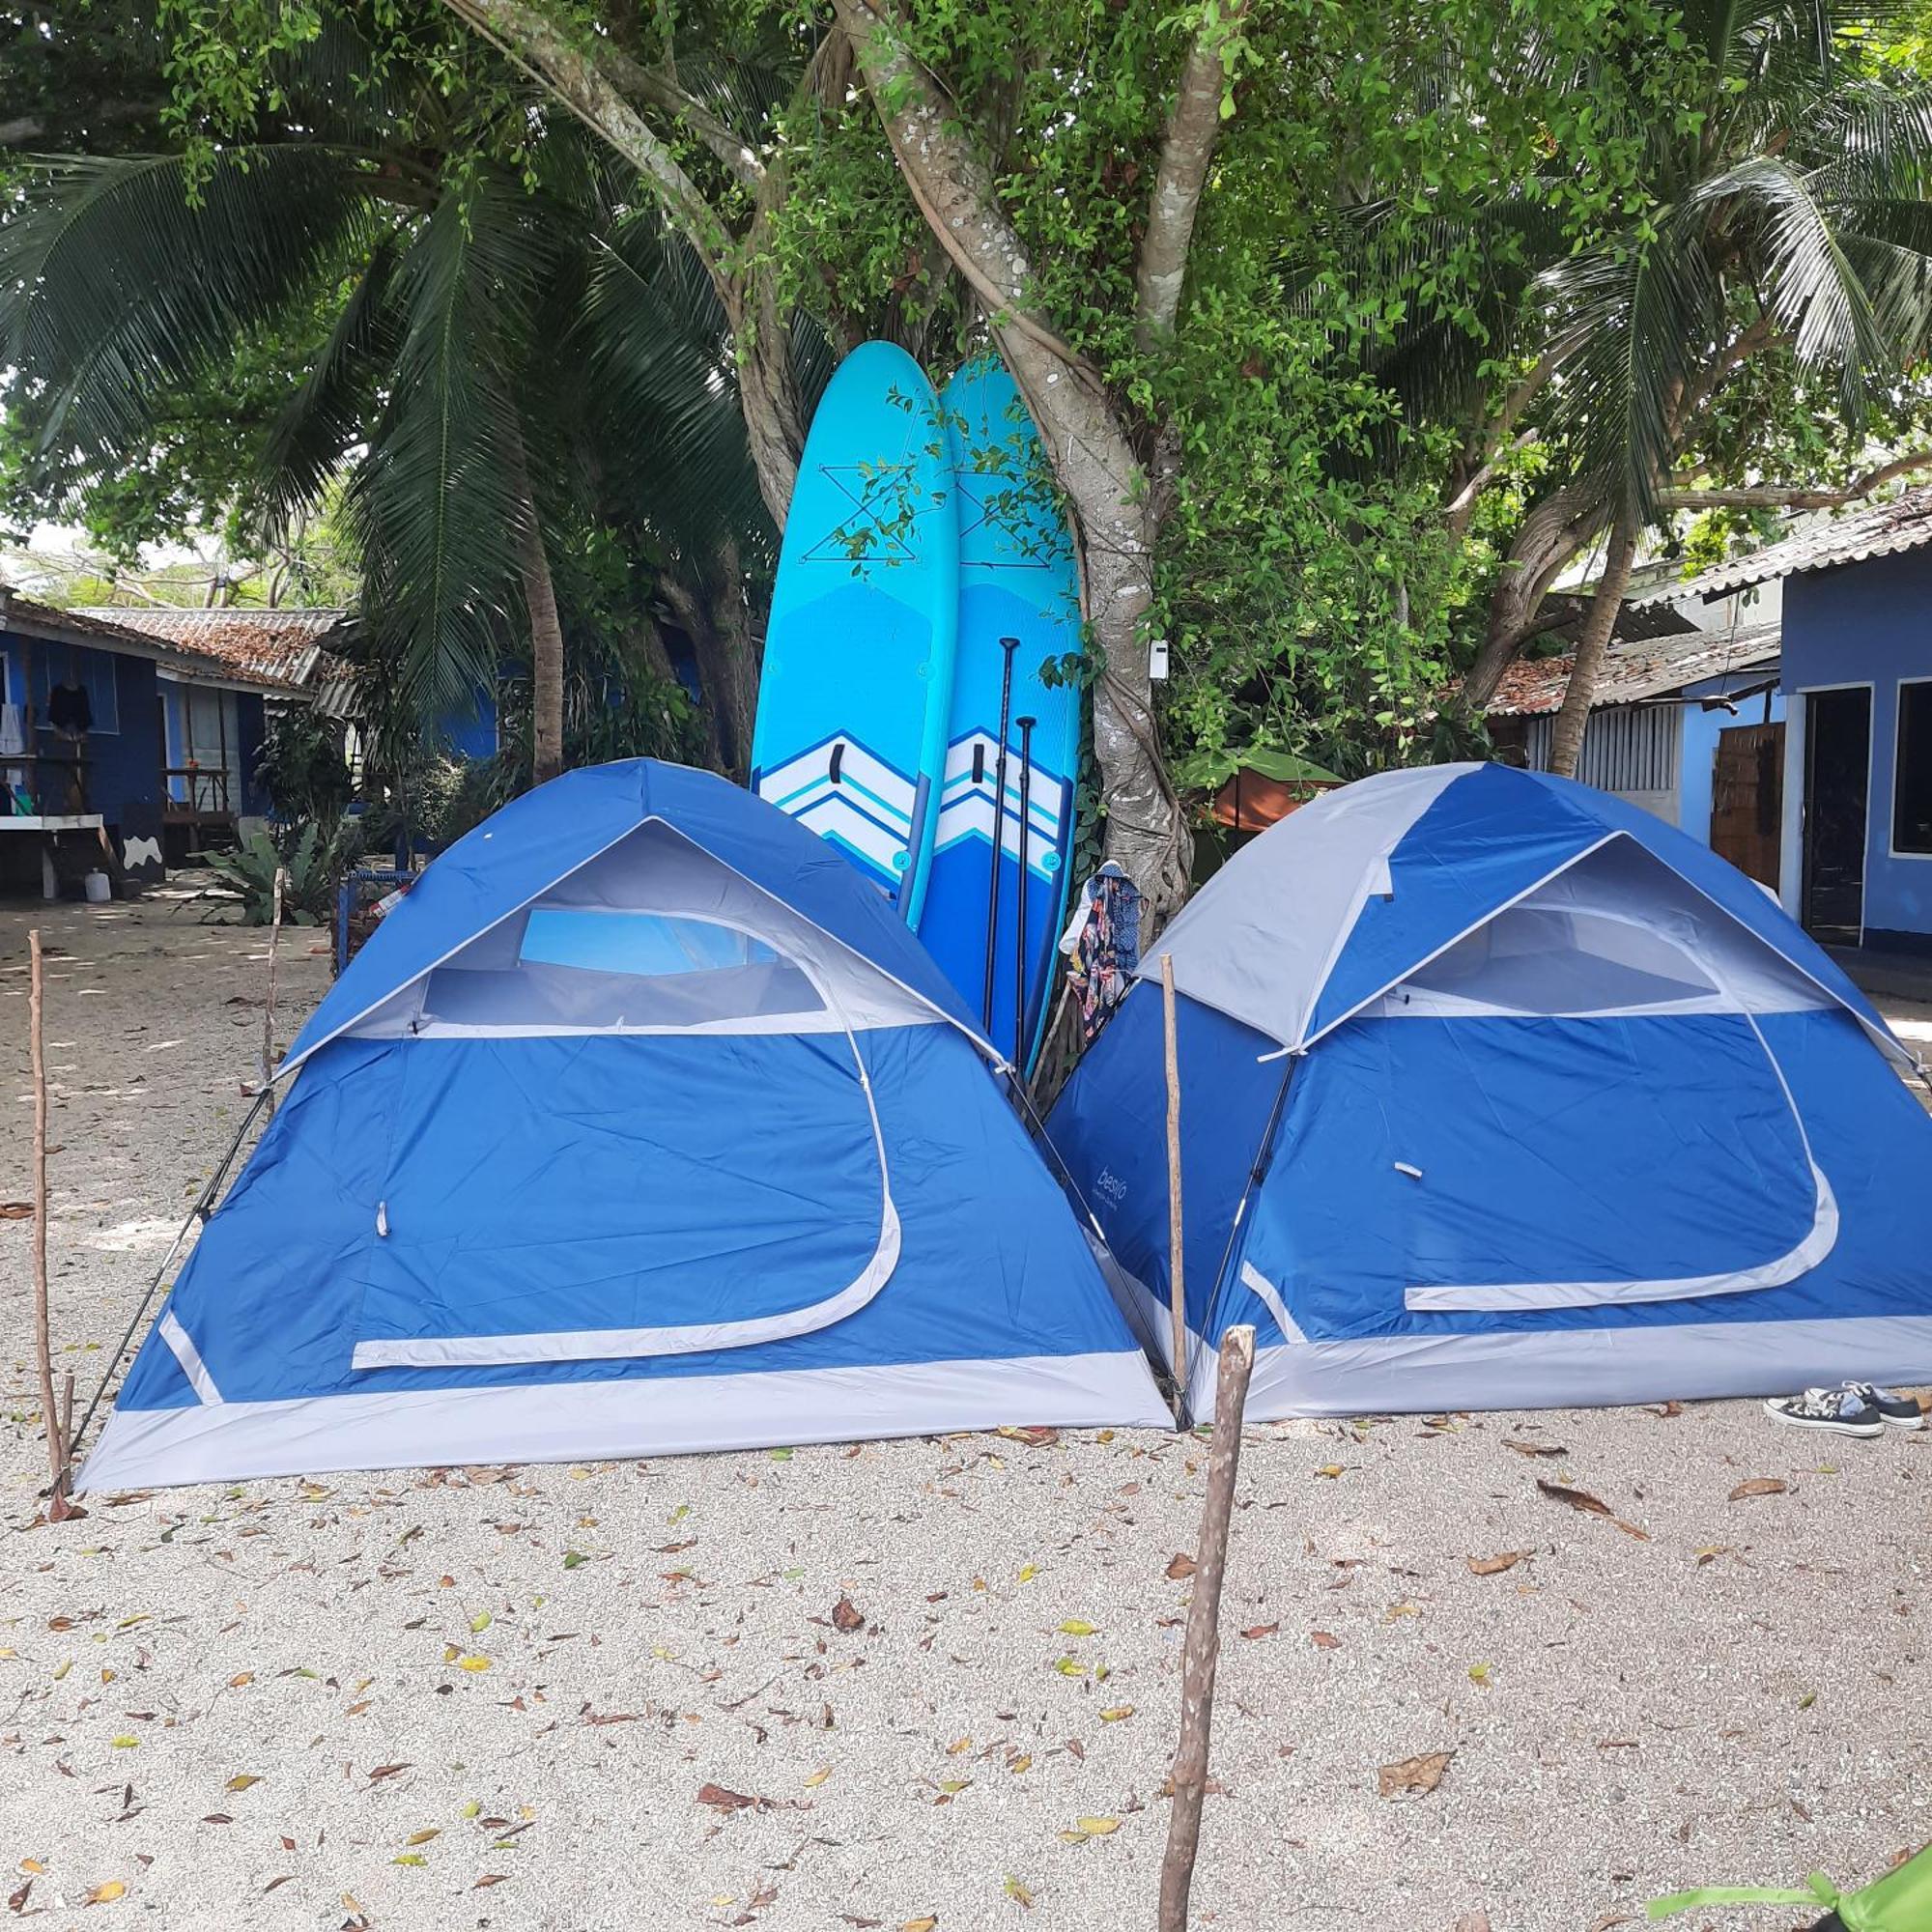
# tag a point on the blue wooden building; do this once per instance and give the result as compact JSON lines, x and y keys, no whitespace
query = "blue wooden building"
{"x":117,"y":742}
{"x":1856,"y":812}
{"x":1686,"y":723}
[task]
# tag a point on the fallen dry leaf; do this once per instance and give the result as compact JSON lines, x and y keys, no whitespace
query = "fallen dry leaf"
{"x":1523,"y":1448}
{"x":1261,"y":1630}
{"x":17,"y":1211}
{"x":722,"y":1799}
{"x":1583,"y":1500}
{"x":106,"y":1894}
{"x":1181,"y":1566}
{"x":1420,"y":1774}
{"x":1322,"y":1640}
{"x":1495,"y":1566}
{"x":924,"y":1925}
{"x":1758,"y":1486}
{"x":845,"y":1617}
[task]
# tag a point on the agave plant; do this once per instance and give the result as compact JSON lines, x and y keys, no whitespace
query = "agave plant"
{"x":307,"y":869}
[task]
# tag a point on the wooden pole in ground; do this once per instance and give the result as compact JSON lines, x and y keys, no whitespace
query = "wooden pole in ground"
{"x":269,"y":1004}
{"x":1177,"y":1280}
{"x":42,"y":1330}
{"x":1203,"y":1631}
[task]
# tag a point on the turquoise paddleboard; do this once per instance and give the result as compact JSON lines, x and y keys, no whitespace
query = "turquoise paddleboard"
{"x":1017,"y":580}
{"x":851,"y":729}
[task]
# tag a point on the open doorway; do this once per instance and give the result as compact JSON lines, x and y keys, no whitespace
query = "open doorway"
{"x":1837,"y":777}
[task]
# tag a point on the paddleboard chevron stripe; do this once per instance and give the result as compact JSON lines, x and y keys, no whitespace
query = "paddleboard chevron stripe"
{"x":870,"y":808}
{"x":966,"y":804}
{"x":859,"y":650}
{"x":993,"y":930}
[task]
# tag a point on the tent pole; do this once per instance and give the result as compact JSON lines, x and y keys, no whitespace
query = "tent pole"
{"x":1201,"y":1651}
{"x":1176,"y":1269}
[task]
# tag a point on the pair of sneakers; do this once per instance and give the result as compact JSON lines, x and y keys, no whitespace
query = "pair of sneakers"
{"x":1853,"y":1409}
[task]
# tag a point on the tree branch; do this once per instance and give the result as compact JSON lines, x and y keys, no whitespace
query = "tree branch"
{"x":1186,"y":153}
{"x":948,"y":181}
{"x":659,"y":90}
{"x":1795,"y":496}
{"x":578,"y":80}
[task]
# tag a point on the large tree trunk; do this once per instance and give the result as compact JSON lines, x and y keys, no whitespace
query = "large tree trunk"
{"x":546,"y":637}
{"x":1085,"y":436}
{"x":715,"y":614}
{"x":1553,"y":532}
{"x":1566,"y":744}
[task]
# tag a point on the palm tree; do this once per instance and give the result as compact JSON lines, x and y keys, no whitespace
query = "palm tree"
{"x":500,"y":347}
{"x":1786,"y":218}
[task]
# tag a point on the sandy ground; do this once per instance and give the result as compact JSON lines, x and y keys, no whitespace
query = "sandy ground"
{"x":498,"y":1698}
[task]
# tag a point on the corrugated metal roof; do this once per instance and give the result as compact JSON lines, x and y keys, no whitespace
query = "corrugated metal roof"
{"x":277,"y":646}
{"x":1647,"y":667}
{"x":1870,"y":529}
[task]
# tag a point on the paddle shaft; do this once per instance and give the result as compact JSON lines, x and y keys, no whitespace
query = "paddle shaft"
{"x":1009,"y":646}
{"x":1026,"y":726}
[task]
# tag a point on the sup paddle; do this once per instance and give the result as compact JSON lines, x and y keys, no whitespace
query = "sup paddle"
{"x":1007,"y":645}
{"x":1026,"y":726}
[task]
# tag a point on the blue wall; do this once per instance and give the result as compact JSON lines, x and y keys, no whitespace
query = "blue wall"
{"x":124,"y":750}
{"x":1870,"y":622}
{"x":1698,"y":748}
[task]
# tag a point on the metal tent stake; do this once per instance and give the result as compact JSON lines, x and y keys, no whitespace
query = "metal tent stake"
{"x":1202,"y":1649}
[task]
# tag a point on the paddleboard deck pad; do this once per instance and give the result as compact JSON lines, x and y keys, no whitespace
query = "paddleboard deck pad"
{"x":850,"y":738}
{"x":1017,"y":580}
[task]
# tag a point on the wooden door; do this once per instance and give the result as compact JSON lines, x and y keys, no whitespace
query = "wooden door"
{"x":1747,"y":799}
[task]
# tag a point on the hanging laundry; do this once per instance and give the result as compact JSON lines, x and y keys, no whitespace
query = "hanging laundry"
{"x":1102,"y":944}
{"x":70,"y":710}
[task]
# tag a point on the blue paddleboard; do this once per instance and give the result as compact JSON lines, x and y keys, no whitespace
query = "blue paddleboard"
{"x":850,"y":737}
{"x":1017,"y":578}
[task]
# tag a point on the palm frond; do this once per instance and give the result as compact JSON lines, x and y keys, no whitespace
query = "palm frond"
{"x":1806,"y":284}
{"x":117,"y":287}
{"x":656,"y":348}
{"x":335,"y":402}
{"x":440,"y":500}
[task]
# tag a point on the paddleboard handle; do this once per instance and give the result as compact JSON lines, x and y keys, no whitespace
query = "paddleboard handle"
{"x":838,"y":758}
{"x":1026,"y":726}
{"x":1007,"y":645}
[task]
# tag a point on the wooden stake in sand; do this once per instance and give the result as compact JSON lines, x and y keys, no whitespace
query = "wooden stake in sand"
{"x":42,"y":1330}
{"x":269,"y":1004}
{"x":1204,"y":1631}
{"x":1177,"y":1289}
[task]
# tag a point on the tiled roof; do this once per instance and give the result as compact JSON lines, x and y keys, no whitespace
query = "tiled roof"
{"x":275,"y":646}
{"x":1870,"y":529}
{"x":1650,"y":667}
{"x":108,"y":630}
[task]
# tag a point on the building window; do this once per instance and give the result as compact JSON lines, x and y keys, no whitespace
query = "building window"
{"x":1627,"y":748}
{"x":1912,"y":771}
{"x":94,"y":672}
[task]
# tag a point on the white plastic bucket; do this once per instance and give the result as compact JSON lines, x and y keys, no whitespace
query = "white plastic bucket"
{"x":99,"y":889}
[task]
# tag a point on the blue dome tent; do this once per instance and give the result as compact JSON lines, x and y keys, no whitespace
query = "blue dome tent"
{"x":642,"y":1125}
{"x":1499,"y":1092}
